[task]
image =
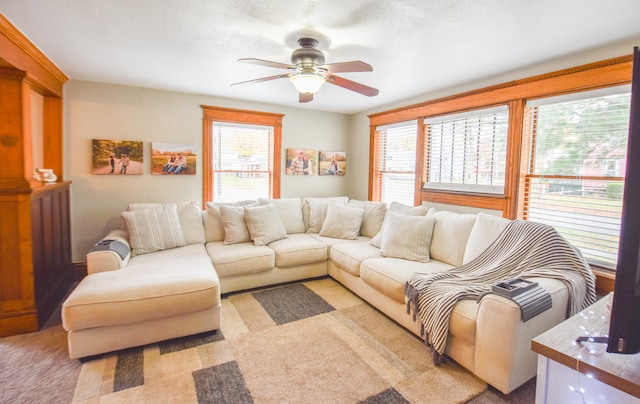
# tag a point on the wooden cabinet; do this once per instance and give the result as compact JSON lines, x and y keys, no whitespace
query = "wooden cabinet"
{"x":35,"y":267}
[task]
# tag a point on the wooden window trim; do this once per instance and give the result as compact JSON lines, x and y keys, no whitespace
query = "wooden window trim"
{"x":221,"y":114}
{"x":606,"y":73}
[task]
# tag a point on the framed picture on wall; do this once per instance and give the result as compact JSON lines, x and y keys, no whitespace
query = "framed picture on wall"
{"x":301,"y":162}
{"x":332,"y":163}
{"x":173,"y":158}
{"x":116,"y":157}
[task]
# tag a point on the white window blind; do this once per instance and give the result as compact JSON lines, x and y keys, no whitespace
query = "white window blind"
{"x":242,"y":161}
{"x":576,"y":168}
{"x":396,"y":162}
{"x":467,"y":152}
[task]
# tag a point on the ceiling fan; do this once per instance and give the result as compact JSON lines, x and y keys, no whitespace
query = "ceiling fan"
{"x":308,"y":72}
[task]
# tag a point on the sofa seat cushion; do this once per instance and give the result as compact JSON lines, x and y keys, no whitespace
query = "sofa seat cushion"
{"x":349,"y":256}
{"x":389,"y":275}
{"x":240,"y":259}
{"x":463,"y":321}
{"x":298,"y":249}
{"x":331,"y":241}
{"x":156,"y":285}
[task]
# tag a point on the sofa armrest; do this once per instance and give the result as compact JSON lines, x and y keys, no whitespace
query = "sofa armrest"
{"x":503,"y":355}
{"x":106,"y":260}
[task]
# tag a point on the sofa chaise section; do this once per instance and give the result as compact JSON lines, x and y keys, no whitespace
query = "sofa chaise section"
{"x":159,"y":296}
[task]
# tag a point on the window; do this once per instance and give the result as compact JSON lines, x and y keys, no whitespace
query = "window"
{"x":467,"y":152}
{"x":241,"y":152}
{"x":575,"y":170}
{"x":395,"y":162}
{"x":242,"y":163}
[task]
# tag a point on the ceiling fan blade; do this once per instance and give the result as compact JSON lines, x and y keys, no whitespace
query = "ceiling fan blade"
{"x":266,"y":63}
{"x":344,"y":67}
{"x":277,"y":76}
{"x":305,"y":97}
{"x":352,"y":85}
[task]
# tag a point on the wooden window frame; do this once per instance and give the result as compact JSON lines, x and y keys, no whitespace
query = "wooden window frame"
{"x":606,"y":73}
{"x":221,"y":114}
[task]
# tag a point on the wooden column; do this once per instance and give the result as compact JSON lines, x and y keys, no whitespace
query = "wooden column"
{"x":17,"y":300}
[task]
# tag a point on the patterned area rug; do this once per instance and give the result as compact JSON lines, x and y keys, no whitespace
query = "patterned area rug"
{"x":307,"y":342}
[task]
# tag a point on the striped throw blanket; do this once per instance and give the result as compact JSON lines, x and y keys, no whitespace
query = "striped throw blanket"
{"x":524,"y":249}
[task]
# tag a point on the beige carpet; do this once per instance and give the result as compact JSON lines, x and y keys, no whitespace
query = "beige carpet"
{"x":301,"y":343}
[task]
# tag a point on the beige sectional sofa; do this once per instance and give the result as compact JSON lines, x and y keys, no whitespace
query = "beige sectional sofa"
{"x":182,"y":259}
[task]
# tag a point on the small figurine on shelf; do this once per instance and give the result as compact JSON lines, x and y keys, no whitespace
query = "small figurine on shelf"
{"x":45,"y":174}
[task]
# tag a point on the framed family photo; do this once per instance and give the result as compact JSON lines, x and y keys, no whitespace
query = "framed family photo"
{"x":173,"y":158}
{"x":116,"y":157}
{"x":332,"y":163}
{"x":301,"y":162}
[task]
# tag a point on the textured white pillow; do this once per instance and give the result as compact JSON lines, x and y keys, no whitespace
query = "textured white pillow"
{"x":485,"y":231}
{"x":290,"y":210}
{"x":190,"y":216}
{"x":401,"y":209}
{"x":407,"y":237}
{"x":315,"y":210}
{"x":235,"y":227}
{"x":264,"y":224}
{"x":342,"y":221}
{"x":213,"y":227}
{"x":153,"y":229}
{"x":373,"y":217}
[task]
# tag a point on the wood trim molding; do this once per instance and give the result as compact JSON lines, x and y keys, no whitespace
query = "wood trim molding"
{"x":605,"y":73}
{"x":18,"y":51}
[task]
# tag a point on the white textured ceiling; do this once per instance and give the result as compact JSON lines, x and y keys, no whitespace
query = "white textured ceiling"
{"x":415,"y":47}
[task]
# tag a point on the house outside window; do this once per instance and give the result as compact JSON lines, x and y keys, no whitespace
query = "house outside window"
{"x":574,"y":175}
{"x":467,"y":151}
{"x":395,"y":163}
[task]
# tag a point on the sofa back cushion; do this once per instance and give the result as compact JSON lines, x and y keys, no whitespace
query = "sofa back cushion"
{"x":450,"y":235}
{"x":190,"y":216}
{"x":485,"y":231}
{"x":290,"y":210}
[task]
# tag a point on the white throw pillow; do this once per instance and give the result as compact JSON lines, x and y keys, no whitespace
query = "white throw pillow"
{"x":373,"y":217}
{"x":153,"y":229}
{"x":401,"y":209}
{"x":485,"y":231}
{"x":342,"y":221}
{"x":450,"y":235}
{"x":235,"y":227}
{"x":213,"y":227}
{"x":407,"y":237}
{"x":290,"y":210}
{"x":264,"y":224}
{"x":315,"y":209}
{"x":190,"y":216}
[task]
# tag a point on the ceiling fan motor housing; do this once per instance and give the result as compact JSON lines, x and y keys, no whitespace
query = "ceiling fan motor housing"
{"x":307,"y":57}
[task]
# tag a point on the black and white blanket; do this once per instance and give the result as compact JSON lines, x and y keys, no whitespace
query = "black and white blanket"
{"x":524,"y":249}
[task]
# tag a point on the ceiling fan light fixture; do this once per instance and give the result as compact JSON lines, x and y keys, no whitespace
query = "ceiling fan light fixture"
{"x":307,"y":83}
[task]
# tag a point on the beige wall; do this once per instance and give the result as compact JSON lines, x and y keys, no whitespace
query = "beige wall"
{"x":103,"y":111}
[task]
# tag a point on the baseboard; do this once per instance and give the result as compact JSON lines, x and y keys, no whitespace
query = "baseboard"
{"x":79,"y":270}
{"x":20,"y":324}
